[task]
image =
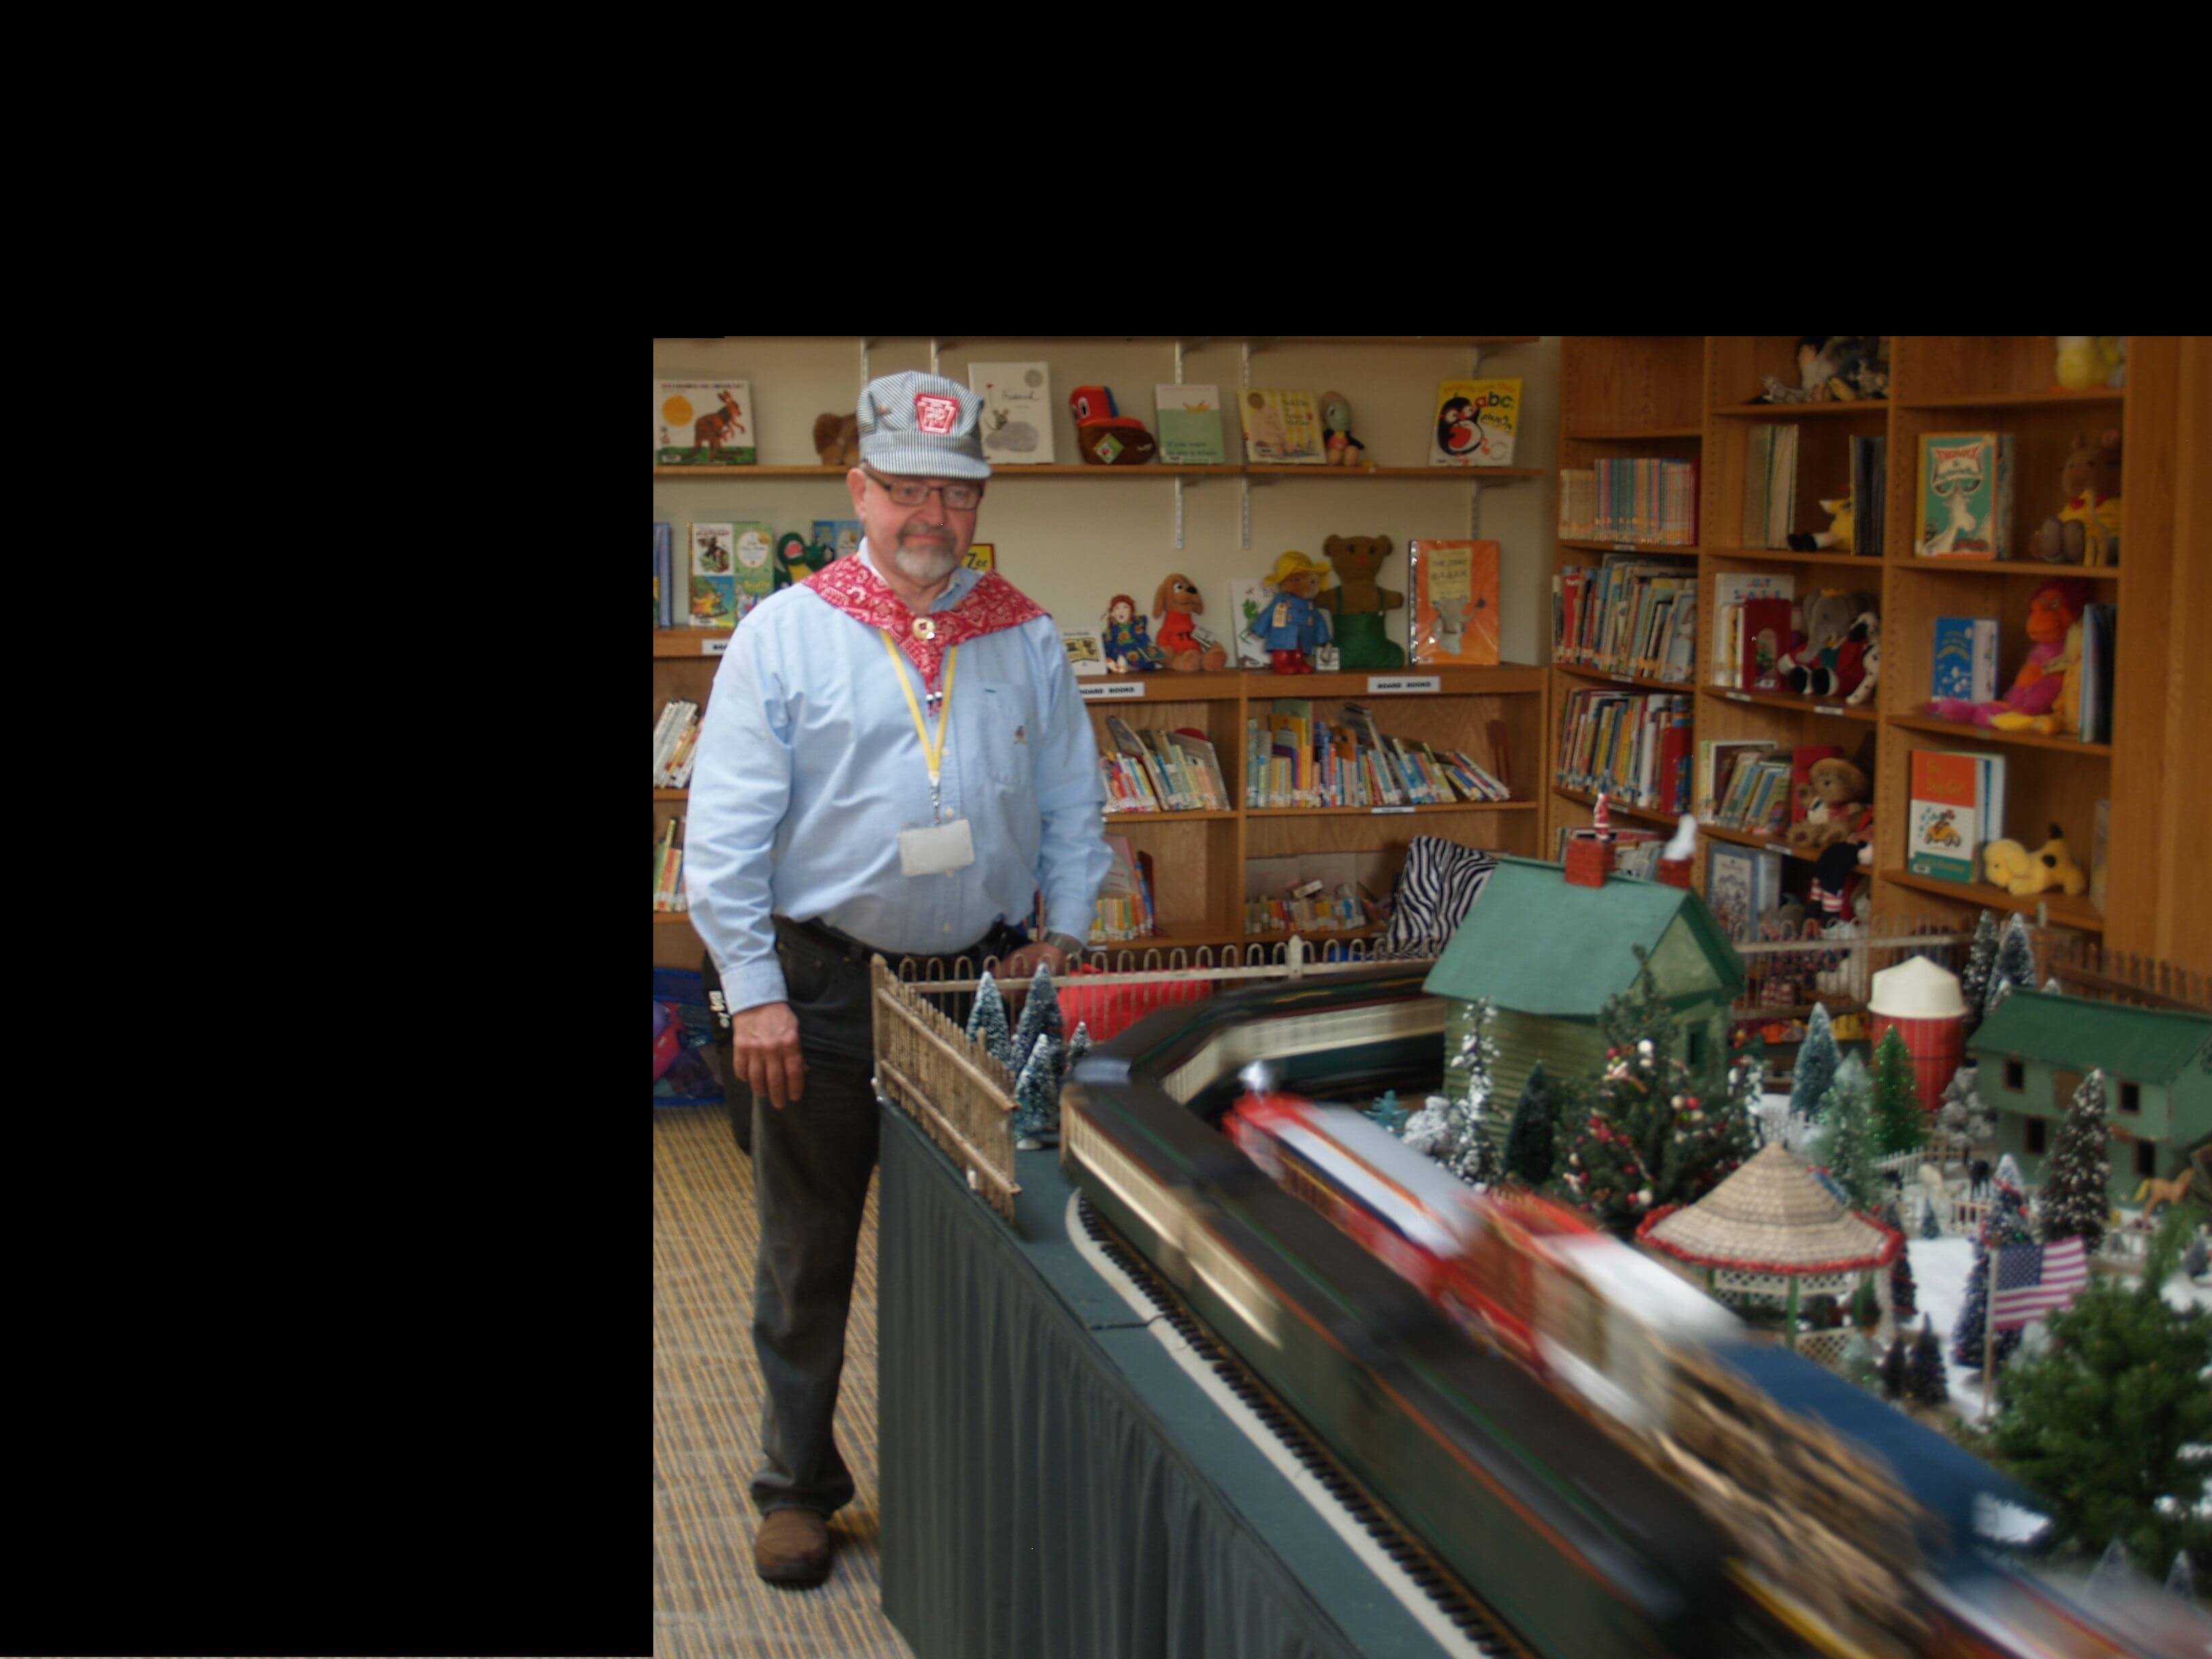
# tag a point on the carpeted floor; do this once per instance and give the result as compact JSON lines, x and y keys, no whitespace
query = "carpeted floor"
{"x":706,"y":1415}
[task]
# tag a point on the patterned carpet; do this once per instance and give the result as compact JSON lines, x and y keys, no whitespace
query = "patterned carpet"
{"x":706,"y":1415}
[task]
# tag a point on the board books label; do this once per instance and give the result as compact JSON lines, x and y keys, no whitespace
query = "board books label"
{"x":713,"y":647}
{"x":1113,"y":689}
{"x":1379,"y":811}
{"x":1378,"y":683}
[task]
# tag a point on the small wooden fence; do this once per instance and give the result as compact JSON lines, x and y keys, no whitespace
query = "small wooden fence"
{"x":2084,"y":968}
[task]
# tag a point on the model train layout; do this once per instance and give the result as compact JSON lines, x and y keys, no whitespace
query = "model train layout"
{"x":1601,"y":1454}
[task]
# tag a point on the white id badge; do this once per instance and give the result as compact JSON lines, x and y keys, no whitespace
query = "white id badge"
{"x":939,"y":849}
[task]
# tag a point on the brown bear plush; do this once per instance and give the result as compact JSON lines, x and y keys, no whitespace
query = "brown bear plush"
{"x":1360,"y":602}
{"x":2086,"y":530}
{"x":1836,"y":806}
{"x":837,"y":439}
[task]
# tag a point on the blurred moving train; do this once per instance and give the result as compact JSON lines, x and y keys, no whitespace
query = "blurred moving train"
{"x":1602,"y":1453}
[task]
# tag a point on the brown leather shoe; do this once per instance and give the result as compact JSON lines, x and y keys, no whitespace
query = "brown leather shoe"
{"x":792,"y":1548}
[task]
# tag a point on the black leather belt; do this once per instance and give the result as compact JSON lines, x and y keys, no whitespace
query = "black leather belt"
{"x":821,"y":936}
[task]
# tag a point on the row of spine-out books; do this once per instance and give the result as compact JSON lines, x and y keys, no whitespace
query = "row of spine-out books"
{"x":1627,"y":616}
{"x":1752,"y":790}
{"x":1295,"y":759}
{"x":675,"y":744}
{"x":1957,"y":807}
{"x":1633,"y":747}
{"x":668,"y":868}
{"x":1124,"y":908}
{"x":1635,"y":852}
{"x":1312,"y":909}
{"x":1150,"y":769}
{"x":1630,"y":498}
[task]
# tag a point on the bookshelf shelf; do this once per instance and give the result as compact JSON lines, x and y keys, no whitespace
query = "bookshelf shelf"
{"x":1607,"y":676}
{"x":1877,"y":406}
{"x":2016,"y":399}
{"x":1458,"y":807}
{"x":1408,"y":339}
{"x":2104,"y":572}
{"x":2063,"y":911}
{"x":1789,"y":700}
{"x":1478,"y":474}
{"x":1669,"y":819}
{"x":1966,"y":732}
{"x":1640,"y":548}
{"x":1006,"y":470}
{"x":671,"y":918}
{"x":1746,"y":838}
{"x":671,"y":794}
{"x":814,"y":471}
{"x":688,"y":641}
{"x":1118,"y":819}
{"x":1791,"y":555}
{"x":1640,"y":434}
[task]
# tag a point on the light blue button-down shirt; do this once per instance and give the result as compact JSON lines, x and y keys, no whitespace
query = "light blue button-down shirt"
{"x":809,"y":767}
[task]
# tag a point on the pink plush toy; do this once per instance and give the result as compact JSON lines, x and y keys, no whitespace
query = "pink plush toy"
{"x":2036,"y":689}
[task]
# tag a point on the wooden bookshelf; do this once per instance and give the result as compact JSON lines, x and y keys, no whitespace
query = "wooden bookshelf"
{"x":1686,"y":396}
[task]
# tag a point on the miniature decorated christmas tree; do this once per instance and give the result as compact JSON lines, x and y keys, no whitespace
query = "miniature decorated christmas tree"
{"x":1040,"y":1014}
{"x":1529,"y":1142}
{"x":1077,"y":1045}
{"x":987,"y":1021}
{"x":2006,"y":1222}
{"x":1981,"y":957}
{"x":1903,"y":1294}
{"x":2102,"y":1421}
{"x":1930,"y":1383}
{"x":1893,"y":1370}
{"x":2079,"y":1169}
{"x":1037,"y":1095}
{"x":1898,"y":1125}
{"x":1866,"y":1306}
{"x":2014,"y":969}
{"x":1816,"y":1064}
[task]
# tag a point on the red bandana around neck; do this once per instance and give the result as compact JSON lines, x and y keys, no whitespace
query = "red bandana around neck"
{"x":992,"y":605}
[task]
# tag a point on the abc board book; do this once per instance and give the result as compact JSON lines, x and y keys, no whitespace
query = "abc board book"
{"x":1455,"y":602}
{"x":1965,"y":496}
{"x":1188,"y":419}
{"x":1476,"y":421}
{"x":1281,"y":428}
{"x":1017,"y":413}
{"x":703,"y":423}
{"x":713,"y":571}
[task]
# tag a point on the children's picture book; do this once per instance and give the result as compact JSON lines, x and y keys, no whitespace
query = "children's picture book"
{"x":1455,"y":602}
{"x":1476,"y":423}
{"x":1017,"y":413}
{"x":1281,"y":428}
{"x":1956,"y":806}
{"x":1966,"y":659}
{"x":1765,"y":640}
{"x":1965,"y":496}
{"x":713,"y":568}
{"x":839,"y":536}
{"x":1732,"y":887}
{"x":2099,"y":624}
{"x":1188,"y":421}
{"x":981,"y":555}
{"x":1248,"y":600}
{"x":703,"y":423}
{"x":664,"y":575}
{"x":1085,"y":653}
{"x":1732,"y":590}
{"x":755,"y":564}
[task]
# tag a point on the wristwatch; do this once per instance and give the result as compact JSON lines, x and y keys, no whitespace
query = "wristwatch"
{"x":1067,"y":944}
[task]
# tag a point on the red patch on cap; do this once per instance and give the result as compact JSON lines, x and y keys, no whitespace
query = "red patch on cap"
{"x":937,"y":413}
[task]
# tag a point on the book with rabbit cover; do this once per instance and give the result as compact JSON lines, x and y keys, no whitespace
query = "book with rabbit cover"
{"x":1455,"y":602}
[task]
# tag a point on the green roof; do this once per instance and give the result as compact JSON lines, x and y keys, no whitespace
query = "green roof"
{"x":2145,"y":1045}
{"x":1538,"y":944}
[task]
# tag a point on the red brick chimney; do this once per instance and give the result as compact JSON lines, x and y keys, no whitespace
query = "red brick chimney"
{"x":1590,"y":852}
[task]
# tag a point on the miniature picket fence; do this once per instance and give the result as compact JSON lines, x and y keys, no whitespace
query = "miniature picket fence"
{"x":963,"y":1099}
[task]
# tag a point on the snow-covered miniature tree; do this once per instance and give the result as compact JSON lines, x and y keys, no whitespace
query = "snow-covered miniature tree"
{"x":1036,"y":1094}
{"x":1849,"y":1151}
{"x":2101,"y":1424}
{"x":1040,"y":1013}
{"x":1817,"y":1060}
{"x":2016,"y":964}
{"x":1894,"y":1373}
{"x":1529,"y":1140}
{"x":987,"y":1021}
{"x":1476,"y":1062}
{"x":1929,"y":1382}
{"x":1981,"y":957}
{"x":1899,"y":1127}
{"x":1476,"y":1161}
{"x":2197,"y":1256}
{"x":2181,"y":1576}
{"x":1903,"y":1294}
{"x":1860,"y":1363}
{"x":2006,"y":1222}
{"x":1961,"y":1118}
{"x":1428,"y":1131}
{"x":1931,"y":1226}
{"x":2051,"y":987}
{"x":2079,"y":1170}
{"x":1077,"y":1045}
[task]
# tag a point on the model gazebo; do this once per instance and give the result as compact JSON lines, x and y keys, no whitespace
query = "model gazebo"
{"x":1773,"y":1232}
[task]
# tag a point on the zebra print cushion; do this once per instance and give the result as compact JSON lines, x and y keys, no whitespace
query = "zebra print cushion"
{"x":1440,"y":880}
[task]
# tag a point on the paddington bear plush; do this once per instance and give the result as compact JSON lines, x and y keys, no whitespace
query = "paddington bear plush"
{"x":1291,"y":624}
{"x":2031,"y":701}
{"x":1360,"y":602}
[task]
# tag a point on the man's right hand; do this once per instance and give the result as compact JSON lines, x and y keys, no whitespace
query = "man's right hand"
{"x":764,"y":1052}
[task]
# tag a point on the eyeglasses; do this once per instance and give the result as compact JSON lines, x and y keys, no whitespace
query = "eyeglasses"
{"x":912,"y":492}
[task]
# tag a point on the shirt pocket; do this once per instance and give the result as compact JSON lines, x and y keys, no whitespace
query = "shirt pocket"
{"x":1006,"y":730}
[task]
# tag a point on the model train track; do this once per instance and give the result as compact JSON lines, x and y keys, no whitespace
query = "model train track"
{"x":1473,"y":1619}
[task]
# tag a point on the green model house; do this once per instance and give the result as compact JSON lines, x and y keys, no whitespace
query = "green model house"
{"x":1547,"y":952}
{"x":2033,"y":1051}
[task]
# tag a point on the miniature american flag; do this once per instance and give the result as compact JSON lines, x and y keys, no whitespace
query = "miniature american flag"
{"x":2035,"y":1280}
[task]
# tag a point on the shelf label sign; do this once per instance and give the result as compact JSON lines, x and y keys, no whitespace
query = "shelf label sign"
{"x":1828,"y":708}
{"x":1379,"y":811}
{"x":1378,"y":683}
{"x":713,"y":647}
{"x":1736,"y":697}
{"x":1113,"y":689}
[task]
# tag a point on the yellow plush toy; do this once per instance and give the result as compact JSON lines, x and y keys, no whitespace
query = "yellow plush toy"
{"x":2013,"y":867}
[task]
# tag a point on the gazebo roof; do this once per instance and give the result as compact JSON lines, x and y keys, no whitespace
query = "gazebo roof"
{"x":1772,"y":1216}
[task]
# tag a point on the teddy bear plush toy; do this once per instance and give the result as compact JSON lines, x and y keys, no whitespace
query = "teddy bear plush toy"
{"x":1358,"y":603}
{"x":837,"y":439}
{"x":2086,"y":530}
{"x":1836,"y":793}
{"x":2032,"y":700}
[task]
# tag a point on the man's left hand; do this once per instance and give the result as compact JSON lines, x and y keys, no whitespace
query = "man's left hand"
{"x":1018,"y":966}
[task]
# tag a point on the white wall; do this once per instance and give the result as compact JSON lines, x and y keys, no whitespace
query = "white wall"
{"x":1070,"y":543}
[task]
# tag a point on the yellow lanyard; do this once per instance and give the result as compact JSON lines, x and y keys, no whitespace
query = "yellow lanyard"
{"x":932,"y":751}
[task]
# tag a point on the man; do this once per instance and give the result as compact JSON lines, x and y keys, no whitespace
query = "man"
{"x":895,"y":759}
